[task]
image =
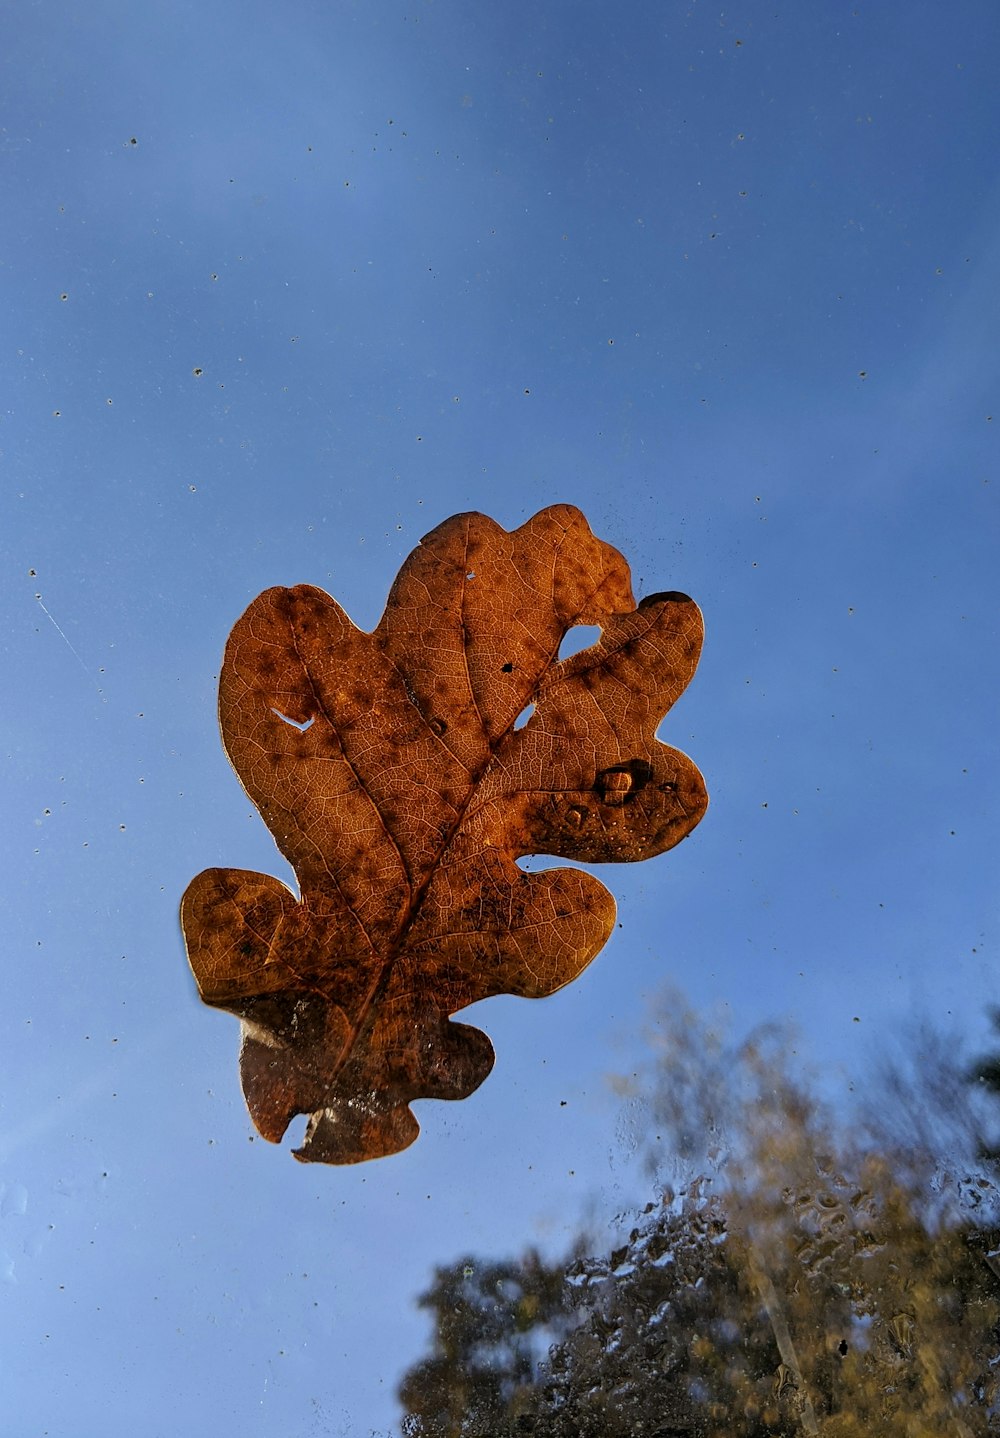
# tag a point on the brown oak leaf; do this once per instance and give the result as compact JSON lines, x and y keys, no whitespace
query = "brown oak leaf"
{"x":395,"y":777}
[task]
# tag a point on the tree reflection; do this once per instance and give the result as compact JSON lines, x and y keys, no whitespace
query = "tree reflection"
{"x":802,"y":1274}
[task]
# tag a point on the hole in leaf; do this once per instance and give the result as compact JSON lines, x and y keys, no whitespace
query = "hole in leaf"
{"x":580,"y":636}
{"x":524,"y":716}
{"x":295,"y":1133}
{"x":302,"y":727}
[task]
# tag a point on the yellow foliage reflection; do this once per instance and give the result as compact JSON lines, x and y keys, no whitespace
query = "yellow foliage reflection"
{"x":800,"y":1276}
